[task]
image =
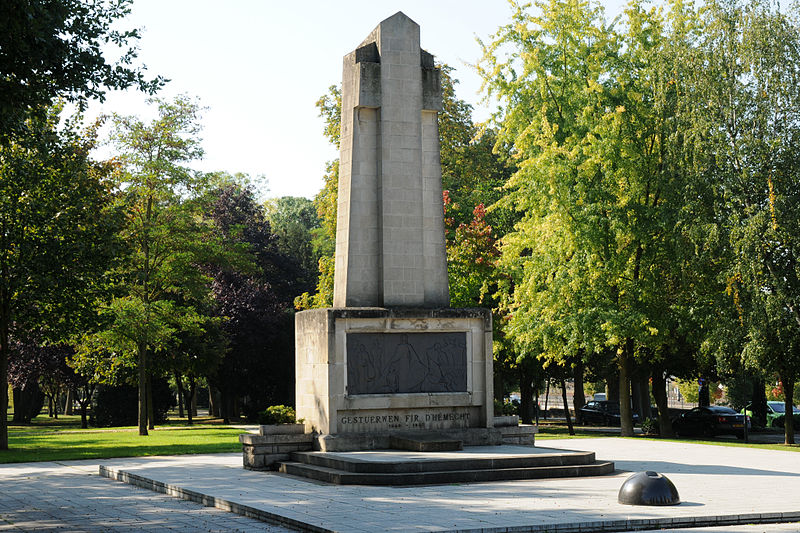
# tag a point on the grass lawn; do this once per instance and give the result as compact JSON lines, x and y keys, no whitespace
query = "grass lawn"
{"x":46,"y":439}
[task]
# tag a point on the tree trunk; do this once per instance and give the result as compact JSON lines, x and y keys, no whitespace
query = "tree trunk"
{"x":499,"y":389}
{"x":759,"y":402}
{"x":84,"y":421}
{"x":626,"y":415}
{"x":181,"y":395}
{"x":644,"y":395}
{"x":191,"y":400}
{"x":213,"y":403}
{"x":660,"y":394}
{"x":68,"y":407}
{"x":525,"y":395}
{"x":28,"y":403}
{"x":788,"y":402}
{"x":704,"y":397}
{"x":19,"y":405}
{"x":142,"y":370}
{"x":578,"y":397}
{"x":566,"y":407}
{"x":5,"y":322}
{"x":612,"y":387}
{"x":151,"y":419}
{"x":224,"y":407}
{"x":546,"y":396}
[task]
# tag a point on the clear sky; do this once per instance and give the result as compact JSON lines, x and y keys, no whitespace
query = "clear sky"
{"x":258,"y":66}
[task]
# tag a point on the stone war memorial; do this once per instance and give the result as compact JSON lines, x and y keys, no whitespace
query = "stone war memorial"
{"x":391,"y":365}
{"x":391,"y":355}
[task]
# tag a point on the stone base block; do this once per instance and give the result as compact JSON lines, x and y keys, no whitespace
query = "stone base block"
{"x":382,"y":370}
{"x":281,"y":429}
{"x":351,"y":442}
{"x":263,"y":452}
{"x":505,"y":421}
{"x":524,"y":434}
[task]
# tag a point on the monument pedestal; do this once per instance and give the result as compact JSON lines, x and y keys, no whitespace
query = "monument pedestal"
{"x":366,"y":373}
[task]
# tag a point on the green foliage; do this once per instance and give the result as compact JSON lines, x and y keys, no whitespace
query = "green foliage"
{"x":330,"y":107}
{"x":278,"y":414}
{"x":55,"y":229}
{"x":295,"y":224}
{"x":506,"y":407}
{"x":155,"y":282}
{"x":56,"y":49}
{"x":603,"y":259}
{"x":471,"y":259}
{"x":650,"y":426}
{"x":689,"y":389}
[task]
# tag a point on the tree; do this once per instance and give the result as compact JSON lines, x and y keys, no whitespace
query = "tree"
{"x":54,"y":232}
{"x":33,"y":363}
{"x":600,"y":258}
{"x":165,"y":242}
{"x":54,"y":49}
{"x":254,"y":302}
{"x":330,"y":108}
{"x":748,"y":132}
{"x":296,"y":227}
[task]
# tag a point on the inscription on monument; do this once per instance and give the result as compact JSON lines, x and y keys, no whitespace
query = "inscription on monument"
{"x":391,"y":363}
{"x":418,"y":420}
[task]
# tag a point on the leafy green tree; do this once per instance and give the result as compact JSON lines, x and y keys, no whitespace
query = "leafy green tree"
{"x":158,"y":277}
{"x":747,"y":125}
{"x":600,"y":258}
{"x":254,"y":305}
{"x":54,"y":232}
{"x":54,"y":48}
{"x":330,"y":109}
{"x":295,"y":224}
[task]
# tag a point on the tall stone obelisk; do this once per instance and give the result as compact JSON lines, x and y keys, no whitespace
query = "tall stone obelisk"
{"x":390,"y":232}
{"x":391,"y":355}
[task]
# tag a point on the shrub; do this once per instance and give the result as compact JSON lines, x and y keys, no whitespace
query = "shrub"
{"x":650,"y":426}
{"x":278,"y":414}
{"x":28,"y":403}
{"x":507,"y":408}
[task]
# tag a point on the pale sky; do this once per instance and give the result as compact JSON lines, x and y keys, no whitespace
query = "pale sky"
{"x":258,"y":66}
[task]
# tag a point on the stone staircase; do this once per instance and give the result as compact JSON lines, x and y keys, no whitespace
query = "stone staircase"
{"x":392,"y":467}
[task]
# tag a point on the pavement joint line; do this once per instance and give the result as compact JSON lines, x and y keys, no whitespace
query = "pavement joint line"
{"x":595,"y":526}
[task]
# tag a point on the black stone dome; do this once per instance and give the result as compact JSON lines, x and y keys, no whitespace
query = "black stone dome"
{"x":648,"y":488}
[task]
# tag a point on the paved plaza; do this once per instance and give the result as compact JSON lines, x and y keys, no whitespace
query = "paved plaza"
{"x":738,"y":485}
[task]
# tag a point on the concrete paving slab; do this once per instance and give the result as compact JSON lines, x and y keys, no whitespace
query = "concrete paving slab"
{"x":70,"y":496}
{"x":718,"y":485}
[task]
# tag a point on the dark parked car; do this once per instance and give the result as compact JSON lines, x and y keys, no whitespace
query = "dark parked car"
{"x":710,"y":421}
{"x":605,"y":413}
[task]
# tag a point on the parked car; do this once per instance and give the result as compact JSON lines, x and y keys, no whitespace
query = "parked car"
{"x":776,"y":413}
{"x":604,"y":413}
{"x":710,"y":421}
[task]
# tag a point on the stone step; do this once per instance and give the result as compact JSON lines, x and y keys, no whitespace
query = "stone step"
{"x":340,"y":477}
{"x":346,"y":463}
{"x":425,"y":443}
